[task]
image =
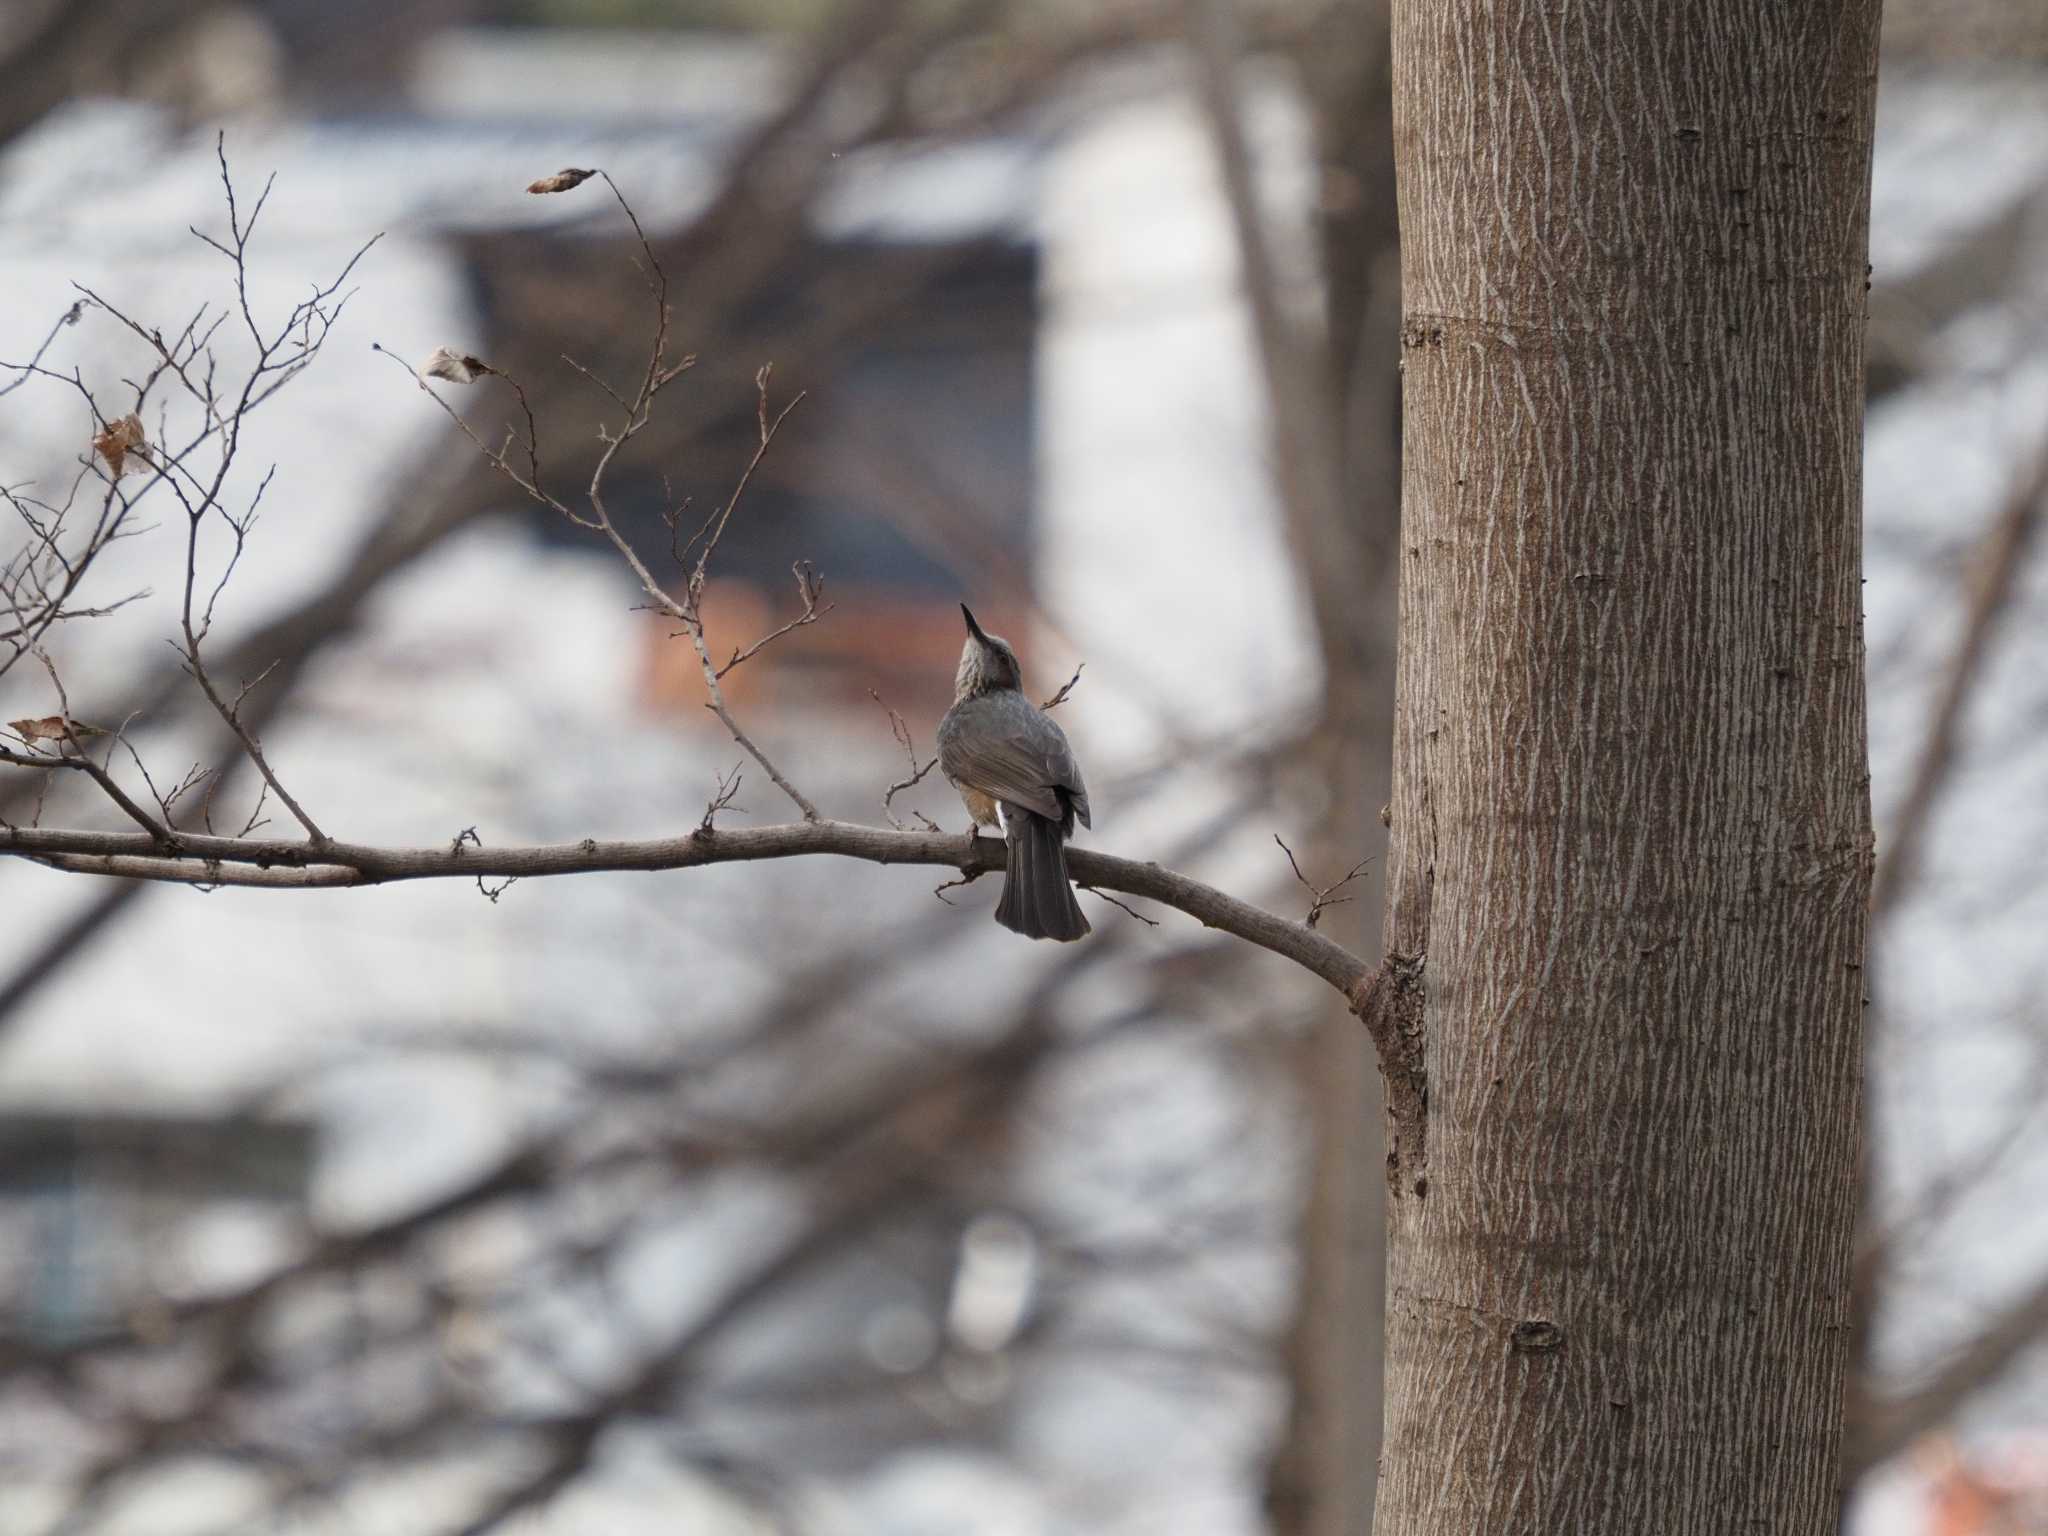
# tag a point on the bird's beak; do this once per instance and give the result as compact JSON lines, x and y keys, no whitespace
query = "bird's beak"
{"x":973,"y":628}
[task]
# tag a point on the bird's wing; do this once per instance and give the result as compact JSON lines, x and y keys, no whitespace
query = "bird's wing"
{"x":1015,"y":755}
{"x":1005,"y":771}
{"x":1063,"y":772}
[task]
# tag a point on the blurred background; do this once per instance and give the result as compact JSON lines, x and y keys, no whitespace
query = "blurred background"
{"x":784,"y":1197}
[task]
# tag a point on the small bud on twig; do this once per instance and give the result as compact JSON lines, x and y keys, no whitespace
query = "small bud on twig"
{"x":561,"y":181}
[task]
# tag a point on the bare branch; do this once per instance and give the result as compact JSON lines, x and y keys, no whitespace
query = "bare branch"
{"x":767,"y":431}
{"x":952,"y":885}
{"x":288,"y":865}
{"x":686,"y":610}
{"x":33,"y":365}
{"x":186,"y":356}
{"x":721,"y":798}
{"x":69,"y":732}
{"x":689,"y":612}
{"x":1149,"y":922}
{"x":901,"y":731}
{"x":1994,"y":574}
{"x":1879,"y":1429}
{"x":1321,"y":897}
{"x":1065,"y":691}
{"x":810,"y":587}
{"x":177,"y":356}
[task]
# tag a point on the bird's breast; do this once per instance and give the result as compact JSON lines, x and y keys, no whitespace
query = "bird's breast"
{"x":980,"y":806}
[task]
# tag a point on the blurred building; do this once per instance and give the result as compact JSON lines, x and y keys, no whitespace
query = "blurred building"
{"x":106,"y":1217}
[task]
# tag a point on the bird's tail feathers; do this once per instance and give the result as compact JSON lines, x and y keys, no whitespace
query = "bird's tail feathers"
{"x":1038,"y":899}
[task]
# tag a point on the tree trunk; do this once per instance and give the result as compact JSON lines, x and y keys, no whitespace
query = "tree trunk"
{"x":1632,"y":847}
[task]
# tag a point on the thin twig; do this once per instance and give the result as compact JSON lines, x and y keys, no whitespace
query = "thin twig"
{"x":690,"y":613}
{"x":1066,"y":689}
{"x":950,"y":885}
{"x":687,"y":610}
{"x":279,"y":357}
{"x":722,"y":799}
{"x":810,"y":587}
{"x":901,"y":730}
{"x":33,"y":366}
{"x":160,"y":834}
{"x":1322,"y":897}
{"x":1149,"y":922}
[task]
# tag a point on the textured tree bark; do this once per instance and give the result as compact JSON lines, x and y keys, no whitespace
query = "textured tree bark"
{"x":1632,"y":847}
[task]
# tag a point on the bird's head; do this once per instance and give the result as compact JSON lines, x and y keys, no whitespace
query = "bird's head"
{"x":986,"y":662}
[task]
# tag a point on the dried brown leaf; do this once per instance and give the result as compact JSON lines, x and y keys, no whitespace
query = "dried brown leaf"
{"x":456,"y":367}
{"x":119,"y":440}
{"x":562,"y":180}
{"x":53,"y":728}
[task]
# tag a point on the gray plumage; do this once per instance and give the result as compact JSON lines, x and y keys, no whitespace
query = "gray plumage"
{"x":1014,"y":770}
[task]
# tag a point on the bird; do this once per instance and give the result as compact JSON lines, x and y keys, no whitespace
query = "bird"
{"x":1015,"y":772}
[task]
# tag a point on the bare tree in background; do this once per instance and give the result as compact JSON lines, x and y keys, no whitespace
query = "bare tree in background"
{"x":1329,"y":375}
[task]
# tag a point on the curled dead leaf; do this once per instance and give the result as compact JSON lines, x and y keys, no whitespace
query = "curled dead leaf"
{"x":562,"y":180}
{"x":456,"y":367}
{"x":119,"y":440}
{"x":53,"y":728}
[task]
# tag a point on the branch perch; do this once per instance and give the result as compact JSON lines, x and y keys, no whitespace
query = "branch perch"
{"x":294,"y":865}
